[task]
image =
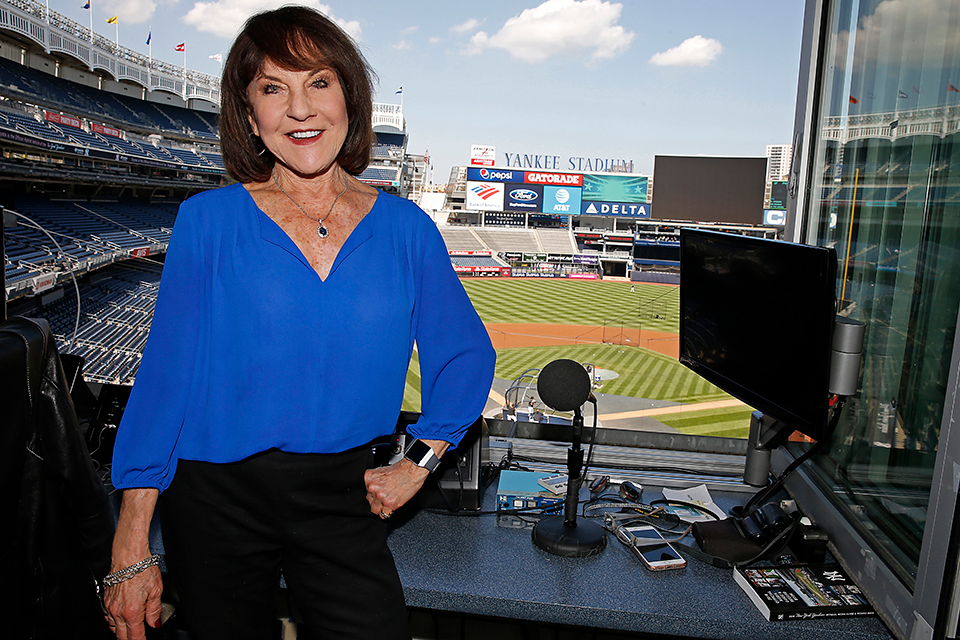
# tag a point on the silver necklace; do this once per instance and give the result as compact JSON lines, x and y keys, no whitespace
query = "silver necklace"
{"x":321,"y":228}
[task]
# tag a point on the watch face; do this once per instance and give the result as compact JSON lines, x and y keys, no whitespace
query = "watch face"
{"x":422,"y":455}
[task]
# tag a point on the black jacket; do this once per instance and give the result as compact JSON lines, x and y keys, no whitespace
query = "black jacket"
{"x":57,"y":525}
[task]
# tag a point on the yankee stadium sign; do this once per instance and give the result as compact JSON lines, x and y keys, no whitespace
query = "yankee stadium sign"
{"x":573,"y":163}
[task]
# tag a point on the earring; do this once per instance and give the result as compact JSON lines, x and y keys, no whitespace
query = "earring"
{"x":256,"y":137}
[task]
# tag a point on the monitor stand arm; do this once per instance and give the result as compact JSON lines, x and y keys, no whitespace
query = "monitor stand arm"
{"x":766,"y":434}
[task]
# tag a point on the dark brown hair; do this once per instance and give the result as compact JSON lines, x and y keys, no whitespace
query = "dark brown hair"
{"x":299,"y":39}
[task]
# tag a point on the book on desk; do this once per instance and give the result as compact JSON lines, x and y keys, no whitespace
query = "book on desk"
{"x":803,"y":591}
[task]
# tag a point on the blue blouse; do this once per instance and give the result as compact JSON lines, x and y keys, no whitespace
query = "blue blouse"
{"x":250,"y":350}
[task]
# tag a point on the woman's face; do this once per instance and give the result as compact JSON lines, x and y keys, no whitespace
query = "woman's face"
{"x":301,"y":116}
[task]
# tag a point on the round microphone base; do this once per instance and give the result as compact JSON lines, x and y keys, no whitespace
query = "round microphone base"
{"x":585,"y":539}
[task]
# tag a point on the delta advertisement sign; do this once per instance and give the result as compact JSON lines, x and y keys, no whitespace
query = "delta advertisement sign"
{"x":616,"y":209}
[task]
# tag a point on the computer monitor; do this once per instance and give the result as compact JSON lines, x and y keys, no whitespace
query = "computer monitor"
{"x":756,"y":320}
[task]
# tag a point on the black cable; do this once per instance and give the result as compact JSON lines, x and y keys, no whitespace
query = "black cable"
{"x":771,"y":488}
{"x":593,"y":437}
{"x":688,"y":505}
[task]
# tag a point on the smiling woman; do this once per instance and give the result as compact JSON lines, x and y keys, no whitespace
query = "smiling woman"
{"x":266,"y":306}
{"x":300,"y":116}
{"x":314,"y":44}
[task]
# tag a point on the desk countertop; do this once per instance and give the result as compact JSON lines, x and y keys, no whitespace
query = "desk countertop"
{"x":480,"y":565}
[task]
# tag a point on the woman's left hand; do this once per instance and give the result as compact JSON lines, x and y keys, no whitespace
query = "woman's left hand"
{"x":389,"y":488}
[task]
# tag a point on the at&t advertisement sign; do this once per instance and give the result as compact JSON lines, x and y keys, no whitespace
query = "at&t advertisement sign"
{"x":561,"y":200}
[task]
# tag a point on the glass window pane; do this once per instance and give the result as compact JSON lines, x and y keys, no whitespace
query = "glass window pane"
{"x":886,"y":194}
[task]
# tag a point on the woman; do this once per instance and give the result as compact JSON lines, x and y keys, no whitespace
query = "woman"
{"x":288,"y":311}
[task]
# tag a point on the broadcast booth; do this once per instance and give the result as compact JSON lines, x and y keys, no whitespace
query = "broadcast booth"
{"x":842,"y":337}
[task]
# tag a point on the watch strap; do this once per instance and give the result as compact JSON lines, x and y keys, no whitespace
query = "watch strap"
{"x":422,"y":455}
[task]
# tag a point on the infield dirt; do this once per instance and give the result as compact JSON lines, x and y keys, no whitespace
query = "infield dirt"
{"x":511,"y":335}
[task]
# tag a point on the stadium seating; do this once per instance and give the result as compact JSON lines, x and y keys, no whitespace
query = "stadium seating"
{"x":508,"y":239}
{"x":119,"y":109}
{"x":381,"y":174}
{"x":28,"y":124}
{"x":556,"y":240}
{"x":475,"y":261}
{"x":115,"y":315}
{"x":461,"y":239}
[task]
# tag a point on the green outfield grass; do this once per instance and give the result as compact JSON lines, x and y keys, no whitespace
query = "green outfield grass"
{"x":642,"y":373}
{"x":562,"y":301}
{"x":731,"y":422}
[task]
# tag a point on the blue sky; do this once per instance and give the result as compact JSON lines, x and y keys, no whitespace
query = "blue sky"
{"x":570,"y":78}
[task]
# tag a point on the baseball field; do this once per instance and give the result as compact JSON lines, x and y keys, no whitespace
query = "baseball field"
{"x":630,"y":329}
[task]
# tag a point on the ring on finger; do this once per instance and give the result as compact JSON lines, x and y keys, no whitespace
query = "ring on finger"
{"x":384,"y":515}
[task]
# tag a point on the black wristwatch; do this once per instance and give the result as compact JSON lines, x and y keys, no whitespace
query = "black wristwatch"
{"x":422,"y":455}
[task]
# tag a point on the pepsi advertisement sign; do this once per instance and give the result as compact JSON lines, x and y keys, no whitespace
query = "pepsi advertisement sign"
{"x":494,"y":175}
{"x":523,"y":197}
{"x":561,"y":200}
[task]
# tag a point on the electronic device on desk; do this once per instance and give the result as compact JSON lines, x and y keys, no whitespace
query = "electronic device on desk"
{"x":456,"y":484}
{"x":525,"y":490}
{"x":758,"y":318}
{"x":102,"y":432}
{"x":656,"y":553}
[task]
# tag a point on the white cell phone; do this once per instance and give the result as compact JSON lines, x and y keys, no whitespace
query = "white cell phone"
{"x":656,"y":557}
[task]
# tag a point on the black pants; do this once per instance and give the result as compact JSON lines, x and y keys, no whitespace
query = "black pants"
{"x":229,"y":529}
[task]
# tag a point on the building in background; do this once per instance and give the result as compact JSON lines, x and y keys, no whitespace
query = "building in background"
{"x":778,"y":161}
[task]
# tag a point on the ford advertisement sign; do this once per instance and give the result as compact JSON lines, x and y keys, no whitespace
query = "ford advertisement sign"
{"x":523,"y":197}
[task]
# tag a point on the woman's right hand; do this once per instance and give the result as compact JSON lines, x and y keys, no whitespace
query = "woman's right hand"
{"x":132,"y":602}
{"x":137,"y":599}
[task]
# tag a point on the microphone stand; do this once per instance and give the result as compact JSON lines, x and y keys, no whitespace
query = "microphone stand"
{"x":574,"y":465}
{"x":565,"y":535}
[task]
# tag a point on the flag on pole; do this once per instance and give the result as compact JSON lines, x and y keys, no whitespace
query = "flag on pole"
{"x":853,"y":100}
{"x":950,"y":87}
{"x":86,"y":6}
{"x":181,"y":47}
{"x":901,"y":94}
{"x":218,"y":57}
{"x":149,"y":35}
{"x":399,"y":92}
{"x":112,"y":20}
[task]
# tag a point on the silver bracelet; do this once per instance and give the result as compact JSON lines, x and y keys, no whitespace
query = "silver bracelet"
{"x":127,"y":573}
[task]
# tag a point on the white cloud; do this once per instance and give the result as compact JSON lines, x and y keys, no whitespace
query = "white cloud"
{"x":225,"y":18}
{"x":463,"y":27}
{"x":692,"y":52}
{"x":559,"y":27}
{"x":402,"y":45}
{"x":926,"y":24}
{"x":129,"y":11}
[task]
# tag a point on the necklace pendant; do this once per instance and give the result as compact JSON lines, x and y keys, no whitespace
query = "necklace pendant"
{"x":322,"y":231}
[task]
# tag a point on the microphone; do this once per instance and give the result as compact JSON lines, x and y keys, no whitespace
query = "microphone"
{"x":564,"y":385}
